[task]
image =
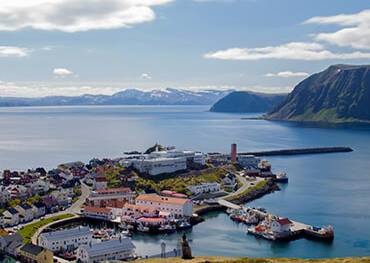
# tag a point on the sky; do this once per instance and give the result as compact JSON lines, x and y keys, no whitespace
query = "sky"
{"x":74,"y":47}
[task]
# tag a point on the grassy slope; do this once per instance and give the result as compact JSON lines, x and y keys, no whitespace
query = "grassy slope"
{"x":29,"y":230}
{"x":256,"y":260}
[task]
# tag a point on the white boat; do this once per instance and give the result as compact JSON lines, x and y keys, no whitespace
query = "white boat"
{"x":142,"y":228}
{"x":281,"y":177}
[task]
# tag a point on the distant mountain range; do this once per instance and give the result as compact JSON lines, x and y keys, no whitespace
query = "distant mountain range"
{"x":126,"y":97}
{"x":340,"y":93}
{"x":246,"y":101}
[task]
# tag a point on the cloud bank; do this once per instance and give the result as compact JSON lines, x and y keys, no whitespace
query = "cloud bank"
{"x":355,"y":31}
{"x":287,"y":74}
{"x":9,"y":51}
{"x":292,"y":51}
{"x":75,"y":15}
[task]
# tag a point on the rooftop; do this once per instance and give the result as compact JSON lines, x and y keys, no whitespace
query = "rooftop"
{"x":68,"y":233}
{"x":162,"y":199}
{"x":113,"y":190}
{"x":94,"y":209}
{"x":32,"y":249}
{"x":108,"y":247}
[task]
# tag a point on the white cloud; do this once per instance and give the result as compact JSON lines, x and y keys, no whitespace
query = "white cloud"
{"x":355,"y":31}
{"x":75,"y":15}
{"x":9,"y":51}
{"x":292,"y":51}
{"x":62,"y":72}
{"x":146,"y":76}
{"x":287,"y":74}
{"x":9,"y":89}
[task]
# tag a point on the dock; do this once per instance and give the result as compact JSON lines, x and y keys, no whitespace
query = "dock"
{"x":228,"y":204}
{"x":285,"y":152}
{"x":296,"y":229}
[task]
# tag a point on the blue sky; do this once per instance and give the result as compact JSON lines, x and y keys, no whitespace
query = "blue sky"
{"x":71,"y":47}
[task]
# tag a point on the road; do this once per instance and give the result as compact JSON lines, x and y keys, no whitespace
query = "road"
{"x":245,"y":184}
{"x":75,"y":208}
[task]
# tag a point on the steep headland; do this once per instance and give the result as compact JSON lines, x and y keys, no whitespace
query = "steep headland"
{"x":341,"y":93}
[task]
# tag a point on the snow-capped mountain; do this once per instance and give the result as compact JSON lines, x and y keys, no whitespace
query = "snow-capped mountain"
{"x":167,"y":96}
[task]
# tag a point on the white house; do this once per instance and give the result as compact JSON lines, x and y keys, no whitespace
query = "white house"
{"x":11,"y":217}
{"x":116,"y":249}
{"x":102,"y":213}
{"x":25,"y":212}
{"x":39,"y":186}
{"x":281,"y":225}
{"x":204,"y":188}
{"x":69,"y":239}
{"x":100,"y":182}
{"x":229,"y":182}
{"x":177,"y":206}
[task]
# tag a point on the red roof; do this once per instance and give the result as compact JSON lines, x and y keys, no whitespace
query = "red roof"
{"x":93,"y":209}
{"x":167,"y":192}
{"x":162,"y":199}
{"x":284,"y":221}
{"x":114,"y":190}
{"x":100,"y":179}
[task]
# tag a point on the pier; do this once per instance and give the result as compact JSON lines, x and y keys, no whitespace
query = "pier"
{"x":319,"y":150}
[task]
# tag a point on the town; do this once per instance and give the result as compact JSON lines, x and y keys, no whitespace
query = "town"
{"x":162,"y":190}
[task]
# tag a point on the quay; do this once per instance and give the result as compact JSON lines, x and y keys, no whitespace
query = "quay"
{"x":275,"y":228}
{"x":319,"y":150}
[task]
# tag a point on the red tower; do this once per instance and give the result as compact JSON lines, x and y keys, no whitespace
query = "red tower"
{"x":233,"y":153}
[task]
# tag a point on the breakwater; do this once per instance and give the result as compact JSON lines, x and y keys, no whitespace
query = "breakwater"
{"x":319,"y":150}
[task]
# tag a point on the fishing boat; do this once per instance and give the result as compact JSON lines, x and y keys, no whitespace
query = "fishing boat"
{"x":322,"y":233}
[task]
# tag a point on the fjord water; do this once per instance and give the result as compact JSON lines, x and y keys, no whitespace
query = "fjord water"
{"x":323,"y":189}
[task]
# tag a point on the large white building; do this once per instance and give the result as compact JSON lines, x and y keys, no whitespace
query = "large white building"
{"x":117,"y":249}
{"x":204,"y":188}
{"x":160,"y":165}
{"x":69,"y":239}
{"x":168,"y":161}
{"x":177,"y":206}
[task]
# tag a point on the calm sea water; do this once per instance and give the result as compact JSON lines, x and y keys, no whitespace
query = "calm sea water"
{"x":323,"y":189}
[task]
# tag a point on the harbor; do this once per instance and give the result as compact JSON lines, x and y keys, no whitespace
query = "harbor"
{"x":301,"y":151}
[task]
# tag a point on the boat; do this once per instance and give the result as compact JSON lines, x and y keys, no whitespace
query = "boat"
{"x":142,"y":228}
{"x":322,"y":233}
{"x":168,"y":228}
{"x":281,"y":177}
{"x":184,"y":225}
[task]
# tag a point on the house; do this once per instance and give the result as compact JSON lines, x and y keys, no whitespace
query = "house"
{"x":102,"y":213}
{"x":204,"y":188}
{"x":9,"y":244}
{"x":39,"y":186}
{"x":31,"y":253}
{"x":137,"y":211}
{"x":39,"y":209}
{"x":116,"y":249}
{"x":100,"y":182}
{"x":51,"y":203}
{"x":281,"y":226}
{"x":68,"y":239}
{"x":177,"y":206}
{"x":11,"y":217}
{"x":25,"y":212}
{"x":101,"y":197}
{"x":229,"y":182}
{"x":248,"y":161}
{"x":4,"y":195}
{"x":18,"y":191}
